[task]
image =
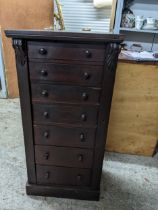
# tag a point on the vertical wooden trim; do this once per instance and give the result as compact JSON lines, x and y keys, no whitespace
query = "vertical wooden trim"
{"x":112,"y":51}
{"x":113,"y":14}
{"x":20,"y":47}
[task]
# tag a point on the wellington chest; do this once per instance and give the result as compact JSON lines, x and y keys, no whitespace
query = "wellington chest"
{"x":66,"y":83}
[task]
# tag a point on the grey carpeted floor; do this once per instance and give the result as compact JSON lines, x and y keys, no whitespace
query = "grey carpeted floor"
{"x":128,"y":182}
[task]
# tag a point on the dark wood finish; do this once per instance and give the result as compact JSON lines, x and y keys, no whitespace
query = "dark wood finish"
{"x":86,"y":75}
{"x":66,"y":51}
{"x":63,"y":156}
{"x":64,"y":136}
{"x":49,"y":175}
{"x":25,"y":102}
{"x":82,"y":115}
{"x":70,"y":94}
{"x":76,"y":192}
{"x":66,"y":83}
{"x":64,"y":36}
{"x":112,"y":52}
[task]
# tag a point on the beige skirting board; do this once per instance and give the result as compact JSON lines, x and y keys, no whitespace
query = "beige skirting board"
{"x":133,"y":126}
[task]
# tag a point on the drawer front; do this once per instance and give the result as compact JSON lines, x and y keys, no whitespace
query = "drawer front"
{"x":63,"y":176}
{"x":46,"y":114}
{"x":64,"y":136}
{"x":66,"y":51}
{"x":63,"y":93}
{"x":68,"y":74}
{"x":63,"y":156}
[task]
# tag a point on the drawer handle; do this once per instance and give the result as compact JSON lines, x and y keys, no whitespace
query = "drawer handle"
{"x":88,"y":54}
{"x":45,"y":93}
{"x":80,"y":158}
{"x":83,"y":117}
{"x":46,"y":134}
{"x":46,"y":155}
{"x":47,"y":175}
{"x":44,"y":73}
{"x":84,"y":96}
{"x":82,"y":137}
{"x":79,"y":177}
{"x":45,"y":114}
{"x":86,"y":75}
{"x":42,"y":51}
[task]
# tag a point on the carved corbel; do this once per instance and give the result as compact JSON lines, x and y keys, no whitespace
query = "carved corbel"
{"x":20,"y":50}
{"x":113,"y":50}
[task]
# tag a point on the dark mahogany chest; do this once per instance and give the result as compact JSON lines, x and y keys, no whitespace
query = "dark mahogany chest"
{"x":66,"y":83}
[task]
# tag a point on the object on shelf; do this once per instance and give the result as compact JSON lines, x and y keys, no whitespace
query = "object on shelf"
{"x":142,"y":56}
{"x":139,"y":21}
{"x":151,"y":21}
{"x":128,"y":19}
{"x":155,"y":55}
{"x":150,"y":24}
{"x":102,"y":3}
{"x":136,"y":47}
{"x":123,"y":46}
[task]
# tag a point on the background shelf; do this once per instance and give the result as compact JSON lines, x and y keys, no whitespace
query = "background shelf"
{"x":148,"y":39}
{"x":139,"y":31}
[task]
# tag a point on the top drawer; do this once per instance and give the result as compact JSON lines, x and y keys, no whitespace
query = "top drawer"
{"x":66,"y":51}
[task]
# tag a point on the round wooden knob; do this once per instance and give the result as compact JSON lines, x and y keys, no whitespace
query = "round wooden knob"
{"x":44,"y":73}
{"x":82,"y":137}
{"x":42,"y":51}
{"x":44,"y":93}
{"x":86,"y":75}
{"x":83,"y":117}
{"x":46,"y":156}
{"x":88,"y":54}
{"x":79,"y":177}
{"x":80,"y":158}
{"x":47,"y":175}
{"x":84,"y":96}
{"x":45,"y":114}
{"x":46,"y":134}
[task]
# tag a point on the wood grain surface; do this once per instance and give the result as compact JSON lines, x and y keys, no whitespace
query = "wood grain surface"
{"x":19,"y":14}
{"x":133,"y":126}
{"x":70,"y":113}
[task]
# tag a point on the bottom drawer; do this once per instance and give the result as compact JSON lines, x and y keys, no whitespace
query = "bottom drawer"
{"x":62,"y":176}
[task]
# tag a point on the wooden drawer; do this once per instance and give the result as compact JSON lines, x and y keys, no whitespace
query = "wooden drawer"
{"x":63,"y":156}
{"x":46,"y":114}
{"x":64,"y":136}
{"x":62,"y":93}
{"x":86,"y":75}
{"x":66,"y":51}
{"x":62,"y":176}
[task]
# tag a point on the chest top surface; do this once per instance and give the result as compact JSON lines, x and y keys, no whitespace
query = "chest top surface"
{"x":63,"y":35}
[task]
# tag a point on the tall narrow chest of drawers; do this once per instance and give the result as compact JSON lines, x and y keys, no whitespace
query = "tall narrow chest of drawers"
{"x":66,"y":83}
